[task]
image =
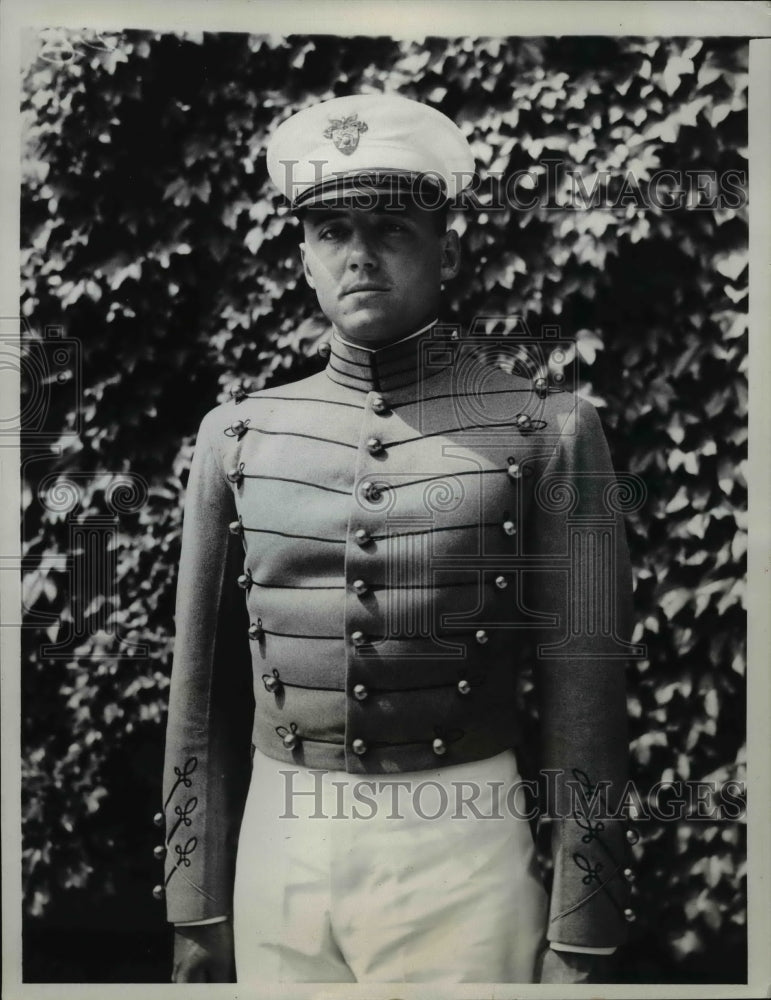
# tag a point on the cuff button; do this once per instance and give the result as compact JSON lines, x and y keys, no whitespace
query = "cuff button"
{"x":158,"y":819}
{"x":158,"y":892}
{"x":362,"y":536}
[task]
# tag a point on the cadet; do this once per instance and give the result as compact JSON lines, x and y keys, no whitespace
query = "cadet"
{"x":367,"y":555}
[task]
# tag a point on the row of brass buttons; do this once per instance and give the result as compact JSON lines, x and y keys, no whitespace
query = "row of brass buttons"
{"x":438,"y":746}
{"x":363,"y":538}
{"x":274,"y":685}
{"x":361,"y":535}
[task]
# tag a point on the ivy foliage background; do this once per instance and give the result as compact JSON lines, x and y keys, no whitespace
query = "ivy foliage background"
{"x":152,"y":238}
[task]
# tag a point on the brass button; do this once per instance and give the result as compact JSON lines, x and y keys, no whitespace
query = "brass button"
{"x":245,"y":580}
{"x":501,"y":582}
{"x":632,"y":836}
{"x":272,"y":685}
{"x":159,"y":852}
{"x":523,"y":421}
{"x":371,"y":492}
{"x":360,"y":587}
{"x":158,"y":819}
{"x":481,"y":637}
{"x":629,"y":875}
{"x":358,"y":638}
{"x":514,"y":471}
{"x":238,"y":427}
{"x":374,"y":446}
{"x":509,"y":528}
{"x":291,"y":740}
{"x":359,"y":747}
{"x":235,"y":528}
{"x":236,"y":475}
{"x":541,"y":387}
{"x":158,"y":892}
{"x":362,"y":536}
{"x":629,"y":915}
{"x":464,"y":687}
{"x":439,"y":747}
{"x":360,"y":692}
{"x":379,"y":405}
{"x":255,"y":631}
{"x":237,"y":392}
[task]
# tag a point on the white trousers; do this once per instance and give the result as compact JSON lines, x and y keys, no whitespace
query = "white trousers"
{"x":386,"y":878}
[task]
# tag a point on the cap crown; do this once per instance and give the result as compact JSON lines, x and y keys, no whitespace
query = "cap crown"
{"x":366,"y":134}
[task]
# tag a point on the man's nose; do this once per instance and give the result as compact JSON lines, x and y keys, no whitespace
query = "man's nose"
{"x":362,"y":255}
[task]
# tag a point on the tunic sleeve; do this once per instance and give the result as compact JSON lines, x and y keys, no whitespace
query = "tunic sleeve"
{"x":208,"y":744}
{"x":583,"y":587}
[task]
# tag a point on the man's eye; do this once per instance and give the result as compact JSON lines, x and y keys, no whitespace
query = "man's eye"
{"x":331,"y":233}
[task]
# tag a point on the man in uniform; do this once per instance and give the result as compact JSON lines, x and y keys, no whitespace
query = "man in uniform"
{"x":367,"y":554}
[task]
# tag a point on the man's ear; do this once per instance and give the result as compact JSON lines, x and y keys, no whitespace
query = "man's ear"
{"x":306,"y":266}
{"x":450,"y":259}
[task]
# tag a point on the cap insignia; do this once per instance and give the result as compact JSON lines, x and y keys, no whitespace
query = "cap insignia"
{"x":345,"y":132}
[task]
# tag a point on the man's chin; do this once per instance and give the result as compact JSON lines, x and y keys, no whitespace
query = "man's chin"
{"x":371,"y":327}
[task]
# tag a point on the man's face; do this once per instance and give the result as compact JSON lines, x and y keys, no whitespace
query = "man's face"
{"x":377,"y":272}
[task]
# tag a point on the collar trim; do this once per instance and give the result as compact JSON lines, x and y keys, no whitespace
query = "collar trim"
{"x":405,"y":362}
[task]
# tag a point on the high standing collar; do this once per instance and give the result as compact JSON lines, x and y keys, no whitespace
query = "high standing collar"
{"x":407,"y":362}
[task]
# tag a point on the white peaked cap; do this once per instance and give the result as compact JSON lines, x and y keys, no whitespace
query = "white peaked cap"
{"x":363,"y":141}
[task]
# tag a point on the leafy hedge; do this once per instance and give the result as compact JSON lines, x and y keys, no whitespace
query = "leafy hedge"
{"x":152,"y":237}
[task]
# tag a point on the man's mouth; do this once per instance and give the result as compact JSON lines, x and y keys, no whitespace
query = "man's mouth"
{"x":357,"y":289}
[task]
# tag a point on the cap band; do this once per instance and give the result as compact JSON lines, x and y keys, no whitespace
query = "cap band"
{"x":367,"y":188}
